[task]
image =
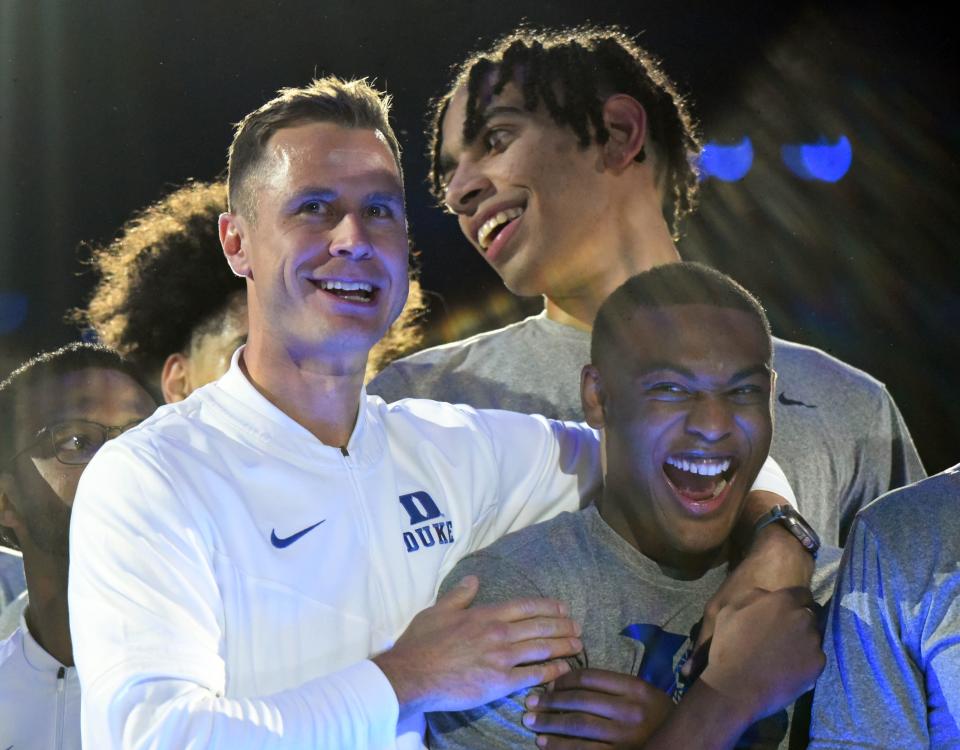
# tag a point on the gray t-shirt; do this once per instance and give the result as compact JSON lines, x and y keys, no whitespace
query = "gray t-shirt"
{"x":892,"y":678}
{"x":839,"y":436}
{"x":635,"y":619}
{"x":12,"y":580}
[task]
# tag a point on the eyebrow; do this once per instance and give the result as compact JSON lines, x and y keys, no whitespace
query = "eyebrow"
{"x":329,"y":194}
{"x":743,"y":374}
{"x":446,"y":162}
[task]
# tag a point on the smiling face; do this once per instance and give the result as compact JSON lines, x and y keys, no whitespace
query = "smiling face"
{"x":686,"y":413}
{"x":325,"y":252}
{"x":41,"y":488}
{"x":527,"y":197}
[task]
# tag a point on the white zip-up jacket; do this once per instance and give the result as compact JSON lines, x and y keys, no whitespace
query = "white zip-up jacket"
{"x":39,"y":697}
{"x":231,"y":575}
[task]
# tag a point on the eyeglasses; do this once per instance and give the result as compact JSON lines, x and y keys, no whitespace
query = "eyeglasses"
{"x":73,"y":442}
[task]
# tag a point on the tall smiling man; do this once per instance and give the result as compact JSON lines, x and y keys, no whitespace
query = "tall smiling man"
{"x":567,"y":160}
{"x":266,"y":543}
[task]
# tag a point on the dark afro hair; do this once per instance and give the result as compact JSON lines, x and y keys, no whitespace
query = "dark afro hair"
{"x":163,"y":277}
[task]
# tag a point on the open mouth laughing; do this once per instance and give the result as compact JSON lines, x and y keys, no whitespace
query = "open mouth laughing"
{"x":700,"y":482}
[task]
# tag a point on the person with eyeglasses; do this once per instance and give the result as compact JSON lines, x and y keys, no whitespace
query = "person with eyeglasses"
{"x":56,"y":411}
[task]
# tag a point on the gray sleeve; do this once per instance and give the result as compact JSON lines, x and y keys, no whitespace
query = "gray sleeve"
{"x":495,"y":726}
{"x":887,"y":459}
{"x":871,"y":693}
{"x":391,"y":384}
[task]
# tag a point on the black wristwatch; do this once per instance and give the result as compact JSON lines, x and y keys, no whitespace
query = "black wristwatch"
{"x":793,"y":522}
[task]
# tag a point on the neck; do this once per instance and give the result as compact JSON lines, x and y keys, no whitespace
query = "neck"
{"x":636,"y":240}
{"x":46,"y":615}
{"x":629,"y":518}
{"x":321,"y":395}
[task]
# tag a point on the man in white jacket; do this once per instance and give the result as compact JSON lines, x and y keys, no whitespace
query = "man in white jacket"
{"x":263,"y":546}
{"x":56,"y":410}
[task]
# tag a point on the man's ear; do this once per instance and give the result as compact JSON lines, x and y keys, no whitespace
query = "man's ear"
{"x":232,"y":233}
{"x":9,"y":515}
{"x":592,"y":397}
{"x":174,"y":378}
{"x":626,"y":121}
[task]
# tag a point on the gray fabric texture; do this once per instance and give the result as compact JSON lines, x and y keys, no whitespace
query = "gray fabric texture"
{"x":10,"y":616}
{"x":892,"y":678}
{"x":635,"y":619}
{"x":839,"y":436}
{"x":12,"y":580}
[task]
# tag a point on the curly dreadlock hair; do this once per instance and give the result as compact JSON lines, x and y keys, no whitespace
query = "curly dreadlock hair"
{"x":571,"y":72}
{"x":162,"y":278}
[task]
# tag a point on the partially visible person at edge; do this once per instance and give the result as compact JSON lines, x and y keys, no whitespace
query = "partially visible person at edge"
{"x":892,"y":679}
{"x":267,"y":543}
{"x":166,"y":300}
{"x":56,"y":410}
{"x":679,"y":384}
{"x":567,"y":158}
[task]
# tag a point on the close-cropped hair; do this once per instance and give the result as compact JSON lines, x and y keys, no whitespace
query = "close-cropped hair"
{"x":664,"y":286}
{"x":571,"y":72}
{"x":350,"y":104}
{"x":163,"y":278}
{"x":18,"y":392}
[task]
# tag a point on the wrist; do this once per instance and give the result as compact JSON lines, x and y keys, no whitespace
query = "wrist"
{"x":411,"y":697}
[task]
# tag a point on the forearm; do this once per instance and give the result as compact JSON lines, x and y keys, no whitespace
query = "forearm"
{"x":704,"y":719}
{"x":353,"y":708}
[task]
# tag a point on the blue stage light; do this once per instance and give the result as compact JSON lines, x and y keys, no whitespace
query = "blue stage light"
{"x":13,"y":311}
{"x":727,"y":163}
{"x":822,"y":160}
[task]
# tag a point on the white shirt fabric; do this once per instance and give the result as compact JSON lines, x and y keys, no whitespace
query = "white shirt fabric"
{"x":39,"y":697}
{"x":231,"y":575}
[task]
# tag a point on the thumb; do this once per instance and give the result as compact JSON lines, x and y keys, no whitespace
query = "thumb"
{"x":460,"y":596}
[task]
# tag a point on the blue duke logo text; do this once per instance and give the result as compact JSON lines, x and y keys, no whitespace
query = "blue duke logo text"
{"x":423,"y":512}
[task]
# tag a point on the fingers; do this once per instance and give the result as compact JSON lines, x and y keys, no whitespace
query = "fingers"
{"x":585,"y":726}
{"x":541,"y":649}
{"x":541,"y":627}
{"x":602,"y":705}
{"x":693,"y":667}
{"x":602,"y":681}
{"x":554,"y":742}
{"x":460,"y":596}
{"x":537,"y":674}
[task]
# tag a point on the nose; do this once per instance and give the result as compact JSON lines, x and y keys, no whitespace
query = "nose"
{"x":467,"y":187}
{"x":349,"y":238}
{"x":710,"y":418}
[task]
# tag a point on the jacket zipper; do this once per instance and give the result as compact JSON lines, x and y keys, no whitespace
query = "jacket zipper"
{"x":60,"y":705}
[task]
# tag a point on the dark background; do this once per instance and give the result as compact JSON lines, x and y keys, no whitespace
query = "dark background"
{"x":104,"y":106}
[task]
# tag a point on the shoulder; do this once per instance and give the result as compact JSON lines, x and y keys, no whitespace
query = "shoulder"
{"x":535,"y":553}
{"x":807,"y":364}
{"x":919,"y":509}
{"x":426,"y":371}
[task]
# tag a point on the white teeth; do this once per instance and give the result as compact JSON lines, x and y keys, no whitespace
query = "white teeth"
{"x":347,"y":286}
{"x":486,"y":230}
{"x":707,"y":467}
